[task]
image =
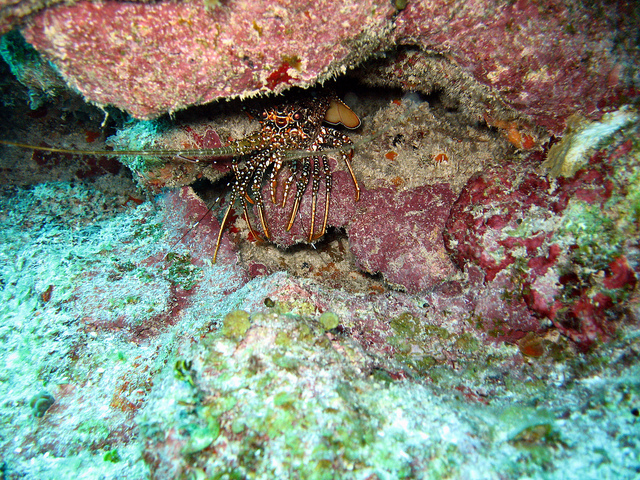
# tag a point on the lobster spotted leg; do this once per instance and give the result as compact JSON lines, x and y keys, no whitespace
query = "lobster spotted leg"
{"x":339,"y":140}
{"x":263,"y":162}
{"x":263,"y":222}
{"x":289,"y":181}
{"x":328,"y":179}
{"x":245,"y":212}
{"x":315,"y":186}
{"x":277,"y":159}
{"x":301,"y":186}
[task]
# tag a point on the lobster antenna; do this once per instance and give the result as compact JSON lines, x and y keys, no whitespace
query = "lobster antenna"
{"x":192,"y":228}
{"x":230,"y":151}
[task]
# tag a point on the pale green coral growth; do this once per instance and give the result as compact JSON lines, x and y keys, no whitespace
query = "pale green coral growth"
{"x":236,"y":324}
{"x":264,"y":408}
{"x":329,"y":320}
{"x":572,"y":153}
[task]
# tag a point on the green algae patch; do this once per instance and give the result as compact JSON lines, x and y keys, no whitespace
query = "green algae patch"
{"x":112,"y":456}
{"x":284,"y":400}
{"x":181,"y":271}
{"x":201,"y":437}
{"x":329,"y":320}
{"x":423,"y":347}
{"x":40,"y":403}
{"x":303,"y":404}
{"x":236,"y":324}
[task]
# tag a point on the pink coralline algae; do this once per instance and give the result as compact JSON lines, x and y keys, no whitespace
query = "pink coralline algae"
{"x":399,"y":234}
{"x":150,"y":59}
{"x":562,"y":246}
{"x":395,"y":233}
{"x":188,"y":211}
{"x":547,"y":60}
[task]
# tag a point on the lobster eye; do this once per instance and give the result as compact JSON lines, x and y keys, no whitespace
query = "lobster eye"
{"x":297,"y":116}
{"x":264,"y":114}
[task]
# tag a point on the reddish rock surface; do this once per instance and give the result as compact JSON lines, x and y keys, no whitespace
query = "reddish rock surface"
{"x":553,"y":244}
{"x":545,"y":59}
{"x":399,"y":234}
{"x":161,"y":57}
{"x":154,"y":58}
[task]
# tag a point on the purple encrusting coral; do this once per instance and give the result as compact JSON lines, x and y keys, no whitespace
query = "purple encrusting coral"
{"x":567,"y":245}
{"x":400,"y":235}
{"x":154,"y":58}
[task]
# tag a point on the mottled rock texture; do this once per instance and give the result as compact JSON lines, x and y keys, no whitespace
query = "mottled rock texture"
{"x":150,"y":59}
{"x":566,"y":247}
{"x":541,"y":61}
{"x":400,"y":235}
{"x":546,"y":60}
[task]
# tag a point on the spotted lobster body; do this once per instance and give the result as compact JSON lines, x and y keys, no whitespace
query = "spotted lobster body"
{"x":291,"y":127}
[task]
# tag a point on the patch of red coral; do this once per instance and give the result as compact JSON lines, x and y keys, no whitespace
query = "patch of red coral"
{"x":509,"y":220}
{"x":399,"y":234}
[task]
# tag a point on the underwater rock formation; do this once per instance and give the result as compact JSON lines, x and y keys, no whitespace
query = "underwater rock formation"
{"x":545,"y":60}
{"x":567,"y":244}
{"x":473,"y":315}
{"x":152,"y":58}
{"x":399,"y":234}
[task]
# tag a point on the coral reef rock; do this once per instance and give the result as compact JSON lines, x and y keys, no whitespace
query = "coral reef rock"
{"x":152,"y":58}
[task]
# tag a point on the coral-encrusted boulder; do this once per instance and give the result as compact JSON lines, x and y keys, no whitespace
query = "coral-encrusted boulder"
{"x":546,"y":59}
{"x":154,"y":58}
{"x":399,"y":234}
{"x":567,"y":244}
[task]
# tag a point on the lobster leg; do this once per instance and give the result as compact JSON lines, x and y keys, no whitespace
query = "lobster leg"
{"x":301,"y":186}
{"x":353,"y":177}
{"x":245,"y":212}
{"x":288,"y":182}
{"x":256,"y":187}
{"x":327,"y":189}
{"x":315,"y":186}
{"x":222,"y":225}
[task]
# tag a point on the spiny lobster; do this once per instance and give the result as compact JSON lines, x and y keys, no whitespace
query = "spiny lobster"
{"x":291,"y":132}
